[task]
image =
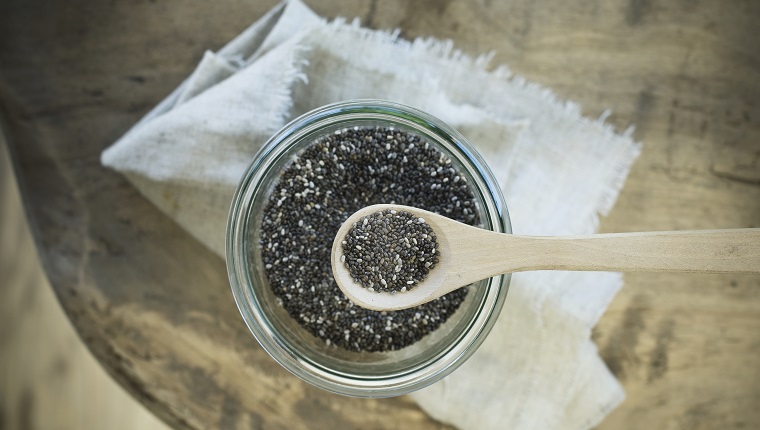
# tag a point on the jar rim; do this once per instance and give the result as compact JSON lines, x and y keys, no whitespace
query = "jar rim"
{"x":496,"y":217}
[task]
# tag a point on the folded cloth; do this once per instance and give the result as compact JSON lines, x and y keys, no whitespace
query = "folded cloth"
{"x":558,"y":171}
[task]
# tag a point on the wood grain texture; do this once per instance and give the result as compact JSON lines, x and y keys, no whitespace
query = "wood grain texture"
{"x":48,"y":377}
{"x":155,"y":308}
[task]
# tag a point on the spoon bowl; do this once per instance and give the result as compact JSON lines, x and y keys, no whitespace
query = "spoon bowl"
{"x":425,"y":291}
{"x":468,"y":254}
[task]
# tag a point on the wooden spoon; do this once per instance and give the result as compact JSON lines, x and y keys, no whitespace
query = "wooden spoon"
{"x":468,"y":254}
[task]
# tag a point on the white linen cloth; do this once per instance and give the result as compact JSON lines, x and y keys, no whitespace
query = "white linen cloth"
{"x":558,"y":171}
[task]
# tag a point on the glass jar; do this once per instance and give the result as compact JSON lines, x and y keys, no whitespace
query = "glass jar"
{"x":361,"y":374}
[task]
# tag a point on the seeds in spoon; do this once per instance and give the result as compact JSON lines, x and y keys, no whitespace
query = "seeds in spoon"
{"x":390,"y":251}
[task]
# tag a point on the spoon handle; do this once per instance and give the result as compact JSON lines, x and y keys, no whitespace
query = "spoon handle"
{"x":700,"y":251}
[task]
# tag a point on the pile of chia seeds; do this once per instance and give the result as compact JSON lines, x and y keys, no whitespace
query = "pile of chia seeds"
{"x":390,"y":251}
{"x":323,"y":185}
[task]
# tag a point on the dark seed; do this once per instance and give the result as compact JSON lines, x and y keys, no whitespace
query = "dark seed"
{"x":385,"y":230}
{"x":327,"y":181}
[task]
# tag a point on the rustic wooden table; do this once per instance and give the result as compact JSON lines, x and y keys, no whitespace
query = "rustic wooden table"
{"x":155,"y":308}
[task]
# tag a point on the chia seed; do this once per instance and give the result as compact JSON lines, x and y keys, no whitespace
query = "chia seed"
{"x":324,"y":184}
{"x":390,"y":251}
